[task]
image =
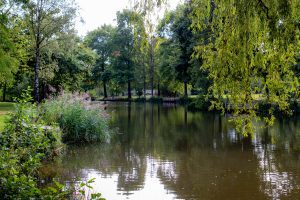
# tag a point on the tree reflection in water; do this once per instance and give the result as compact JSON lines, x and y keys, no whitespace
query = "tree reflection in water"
{"x":166,"y":152}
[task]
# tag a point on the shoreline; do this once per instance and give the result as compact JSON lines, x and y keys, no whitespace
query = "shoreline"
{"x":197,"y":104}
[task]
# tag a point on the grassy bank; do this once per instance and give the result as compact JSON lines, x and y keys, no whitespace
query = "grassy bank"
{"x":5,"y":109}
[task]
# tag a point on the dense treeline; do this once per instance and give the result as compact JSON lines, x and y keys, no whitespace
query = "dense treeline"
{"x":40,"y":48}
{"x":238,"y":55}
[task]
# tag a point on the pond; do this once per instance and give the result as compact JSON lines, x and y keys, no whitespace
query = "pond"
{"x":166,"y":152}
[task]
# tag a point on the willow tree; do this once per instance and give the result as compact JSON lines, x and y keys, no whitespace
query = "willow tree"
{"x":46,"y":19}
{"x":250,"y":48}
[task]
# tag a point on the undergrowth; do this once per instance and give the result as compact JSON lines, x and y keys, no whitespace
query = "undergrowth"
{"x":27,"y":140}
{"x":24,"y":143}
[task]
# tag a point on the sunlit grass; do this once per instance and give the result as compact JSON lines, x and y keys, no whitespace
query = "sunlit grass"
{"x":5,"y":109}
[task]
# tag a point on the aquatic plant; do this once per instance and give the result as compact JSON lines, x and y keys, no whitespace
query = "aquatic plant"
{"x":78,"y":118}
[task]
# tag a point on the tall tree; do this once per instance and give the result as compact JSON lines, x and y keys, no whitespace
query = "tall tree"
{"x":68,"y":63}
{"x":150,"y":10}
{"x":13,"y":42}
{"x":129,"y":27}
{"x":177,"y":24}
{"x":101,"y":41}
{"x":47,"y":18}
{"x":178,"y":39}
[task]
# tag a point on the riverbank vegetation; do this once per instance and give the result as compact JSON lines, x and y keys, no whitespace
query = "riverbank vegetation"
{"x":78,"y":119}
{"x":5,"y":109}
{"x":24,"y":143}
{"x":239,"y":56}
{"x":202,"y":47}
{"x":34,"y":134}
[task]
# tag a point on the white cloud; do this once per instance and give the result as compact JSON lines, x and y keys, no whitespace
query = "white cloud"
{"x":98,"y":12}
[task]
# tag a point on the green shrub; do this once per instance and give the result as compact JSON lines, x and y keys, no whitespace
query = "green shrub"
{"x":199,"y":104}
{"x":24,"y":143}
{"x":78,"y":120}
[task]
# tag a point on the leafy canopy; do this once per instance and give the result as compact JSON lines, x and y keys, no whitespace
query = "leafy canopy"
{"x":251,"y":48}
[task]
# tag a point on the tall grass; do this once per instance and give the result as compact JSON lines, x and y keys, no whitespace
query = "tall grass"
{"x":77,"y":118}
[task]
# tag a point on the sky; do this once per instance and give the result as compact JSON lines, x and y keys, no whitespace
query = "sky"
{"x":95,"y":13}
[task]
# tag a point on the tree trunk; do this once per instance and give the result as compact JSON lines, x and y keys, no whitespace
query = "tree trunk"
{"x":212,"y":9}
{"x":185,"y":115}
{"x":152,"y":66}
{"x":36,"y":74}
{"x":144,"y":76}
{"x":38,"y":40}
{"x":129,"y":90}
{"x":4,"y":92}
{"x":104,"y":82}
{"x":158,"y":89}
{"x":185,"y":89}
{"x":44,"y":90}
{"x":104,"y":89}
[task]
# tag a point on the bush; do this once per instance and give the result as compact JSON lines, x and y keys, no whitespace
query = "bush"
{"x":24,"y":143}
{"x":199,"y":104}
{"x":77,"y":118}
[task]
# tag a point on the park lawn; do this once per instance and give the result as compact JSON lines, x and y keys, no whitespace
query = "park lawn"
{"x":5,"y":109}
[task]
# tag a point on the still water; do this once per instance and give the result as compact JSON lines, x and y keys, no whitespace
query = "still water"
{"x":165,"y":152}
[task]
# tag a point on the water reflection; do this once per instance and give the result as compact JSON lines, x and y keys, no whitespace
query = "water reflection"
{"x":166,"y":152}
{"x":279,"y":171}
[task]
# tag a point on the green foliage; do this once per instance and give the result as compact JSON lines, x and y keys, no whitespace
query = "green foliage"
{"x":24,"y":143}
{"x":127,"y":43}
{"x":101,"y":41}
{"x":177,"y":67}
{"x":167,"y":60}
{"x":248,"y":47}
{"x":88,"y":184}
{"x":57,"y":191}
{"x":78,"y":121}
{"x":200,"y":103}
{"x":13,"y":43}
{"x":5,"y":109}
{"x":46,"y":20}
{"x":3,"y":119}
{"x":72,"y":62}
